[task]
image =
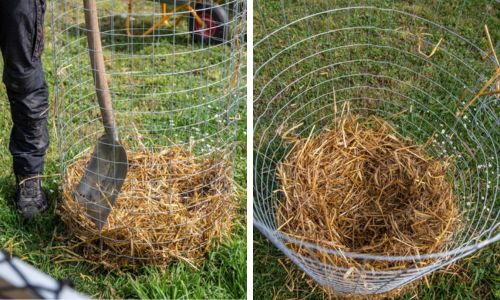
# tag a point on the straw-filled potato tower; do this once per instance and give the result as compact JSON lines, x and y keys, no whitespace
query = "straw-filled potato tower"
{"x":376,"y":137}
{"x":174,"y":74}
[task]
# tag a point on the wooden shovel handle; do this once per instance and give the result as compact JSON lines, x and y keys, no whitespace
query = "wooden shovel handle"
{"x":98,"y":68}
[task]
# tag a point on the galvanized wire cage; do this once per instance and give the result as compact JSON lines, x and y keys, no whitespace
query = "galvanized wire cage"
{"x":19,"y":280}
{"x":174,"y":75}
{"x":417,"y":65}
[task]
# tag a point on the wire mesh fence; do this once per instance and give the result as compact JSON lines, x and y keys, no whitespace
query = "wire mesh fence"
{"x":422,"y":67}
{"x":18,"y":280}
{"x":174,"y":75}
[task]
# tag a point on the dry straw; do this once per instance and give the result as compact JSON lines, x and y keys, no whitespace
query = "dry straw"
{"x":359,"y":187}
{"x":172,"y":206}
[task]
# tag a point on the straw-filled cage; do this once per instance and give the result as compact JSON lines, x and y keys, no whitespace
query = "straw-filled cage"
{"x":376,"y":136}
{"x":175,"y":87}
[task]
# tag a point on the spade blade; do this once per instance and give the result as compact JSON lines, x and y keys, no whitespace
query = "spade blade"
{"x":102,"y":180}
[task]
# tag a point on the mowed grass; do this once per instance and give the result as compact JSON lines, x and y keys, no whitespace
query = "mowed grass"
{"x":45,"y":242}
{"x":275,"y":277}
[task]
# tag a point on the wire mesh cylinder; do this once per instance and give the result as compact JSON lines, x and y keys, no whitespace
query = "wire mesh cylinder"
{"x":173,"y":69}
{"x":414,"y":65}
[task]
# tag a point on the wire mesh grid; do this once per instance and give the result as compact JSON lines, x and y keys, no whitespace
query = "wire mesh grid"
{"x":18,"y":280}
{"x":173,"y":69}
{"x":414,"y":64}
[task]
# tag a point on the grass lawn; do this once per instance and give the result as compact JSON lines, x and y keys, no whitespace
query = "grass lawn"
{"x":44,"y":242}
{"x":380,"y":73}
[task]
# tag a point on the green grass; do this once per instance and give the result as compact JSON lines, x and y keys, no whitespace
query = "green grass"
{"x":44,"y":241}
{"x":475,"y":277}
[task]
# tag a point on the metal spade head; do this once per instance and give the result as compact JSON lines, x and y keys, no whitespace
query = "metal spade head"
{"x":103,"y":179}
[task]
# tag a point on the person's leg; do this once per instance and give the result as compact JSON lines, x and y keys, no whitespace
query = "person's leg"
{"x":21,"y":42}
{"x":25,"y":83}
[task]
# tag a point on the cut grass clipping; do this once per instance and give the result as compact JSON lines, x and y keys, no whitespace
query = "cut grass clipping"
{"x":359,"y":187}
{"x":172,"y":206}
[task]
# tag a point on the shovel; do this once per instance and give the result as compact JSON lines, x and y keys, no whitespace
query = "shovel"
{"x":106,"y":171}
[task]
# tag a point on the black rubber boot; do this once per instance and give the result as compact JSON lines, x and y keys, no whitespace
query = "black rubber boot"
{"x":30,"y":198}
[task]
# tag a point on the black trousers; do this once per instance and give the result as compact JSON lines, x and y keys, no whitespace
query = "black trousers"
{"x":21,"y":42}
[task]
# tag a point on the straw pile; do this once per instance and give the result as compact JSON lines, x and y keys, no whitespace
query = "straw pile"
{"x":172,"y":205}
{"x":359,"y":187}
